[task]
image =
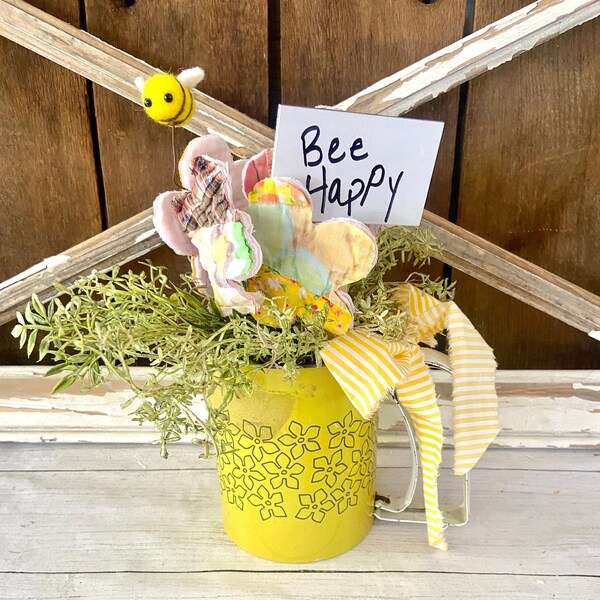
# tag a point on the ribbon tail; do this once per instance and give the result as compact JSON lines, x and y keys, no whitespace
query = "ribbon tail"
{"x":417,"y":395}
{"x":474,"y":398}
{"x":475,"y":402}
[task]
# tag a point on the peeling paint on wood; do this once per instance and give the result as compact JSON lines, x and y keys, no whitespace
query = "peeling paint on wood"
{"x":47,"y":263}
{"x":482,"y":51}
{"x":594,"y":388}
{"x":538,"y":409}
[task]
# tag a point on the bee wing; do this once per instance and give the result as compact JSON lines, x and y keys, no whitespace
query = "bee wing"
{"x":191,"y":77}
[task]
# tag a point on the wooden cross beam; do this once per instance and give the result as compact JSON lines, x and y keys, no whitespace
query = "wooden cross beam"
{"x":459,"y":62}
{"x":475,"y":54}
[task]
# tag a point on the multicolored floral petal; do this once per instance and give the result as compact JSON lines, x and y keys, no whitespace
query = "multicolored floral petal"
{"x":285,"y":293}
{"x":322,"y":257}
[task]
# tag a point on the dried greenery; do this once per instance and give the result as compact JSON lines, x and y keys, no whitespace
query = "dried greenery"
{"x":374,"y":297}
{"x":110,"y":322}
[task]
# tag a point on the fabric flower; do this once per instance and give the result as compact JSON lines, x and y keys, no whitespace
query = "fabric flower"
{"x":311,"y":261}
{"x":284,"y":292}
{"x":203,"y":222}
{"x":322,"y":257}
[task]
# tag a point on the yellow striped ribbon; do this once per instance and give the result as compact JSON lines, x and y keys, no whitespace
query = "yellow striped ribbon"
{"x":368,"y":369}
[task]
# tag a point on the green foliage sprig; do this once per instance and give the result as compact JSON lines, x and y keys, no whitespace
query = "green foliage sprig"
{"x":110,"y":322}
{"x":374,"y":297}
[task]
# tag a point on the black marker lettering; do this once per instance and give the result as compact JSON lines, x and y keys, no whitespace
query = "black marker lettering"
{"x":312,"y":146}
{"x":348,"y":201}
{"x":371,"y":183}
{"x":335,"y":192}
{"x":357,"y":145}
{"x":356,"y":195}
{"x":322,"y":188}
{"x":335,"y":144}
{"x":393,"y":189}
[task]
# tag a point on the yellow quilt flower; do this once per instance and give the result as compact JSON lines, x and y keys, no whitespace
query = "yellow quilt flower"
{"x":288,"y":293}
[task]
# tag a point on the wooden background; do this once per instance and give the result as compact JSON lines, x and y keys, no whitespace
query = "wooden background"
{"x":519,"y":162}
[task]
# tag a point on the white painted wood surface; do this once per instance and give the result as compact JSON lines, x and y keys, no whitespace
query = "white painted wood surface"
{"x":186,"y":457}
{"x":117,"y":522}
{"x":308,"y":585}
{"x":537,"y":409}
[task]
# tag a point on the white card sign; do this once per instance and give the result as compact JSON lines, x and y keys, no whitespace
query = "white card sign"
{"x":374,"y":169}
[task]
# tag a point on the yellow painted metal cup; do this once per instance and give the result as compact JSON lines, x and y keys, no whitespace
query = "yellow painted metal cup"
{"x":296,"y":468}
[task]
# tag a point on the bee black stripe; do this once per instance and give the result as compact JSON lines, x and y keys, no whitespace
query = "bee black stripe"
{"x":176,"y":119}
{"x":189,"y":112}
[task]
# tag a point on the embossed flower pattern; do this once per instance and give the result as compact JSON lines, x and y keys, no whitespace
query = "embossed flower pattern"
{"x":257,"y":439}
{"x":269,"y":504}
{"x":224,"y":460}
{"x":362,"y":461}
{"x":225,"y":439}
{"x":301,"y":439}
{"x":328,"y":469}
{"x":284,"y":472}
{"x":314,"y":506}
{"x":265,"y":472}
{"x":346,"y":495}
{"x":235,"y":493}
{"x":343,"y":433}
{"x":246,"y":471}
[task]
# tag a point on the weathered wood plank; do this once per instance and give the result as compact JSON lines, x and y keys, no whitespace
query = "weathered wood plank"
{"x":523,"y":522}
{"x":48,"y":194}
{"x":531,"y":187}
{"x":483,"y":50}
{"x":115,"y":70}
{"x":184,"y":456}
{"x":538,"y":409}
{"x":277,"y":586}
{"x":126,"y":241}
{"x":465,"y":251}
{"x":513,"y":275}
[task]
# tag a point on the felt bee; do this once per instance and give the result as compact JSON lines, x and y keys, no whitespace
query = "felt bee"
{"x":167,"y":99}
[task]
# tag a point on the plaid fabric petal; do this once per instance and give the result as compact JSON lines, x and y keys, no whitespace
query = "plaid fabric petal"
{"x":207,"y":203}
